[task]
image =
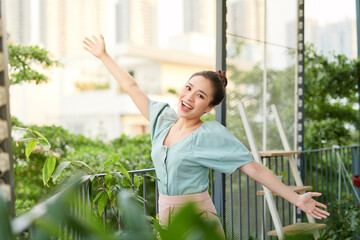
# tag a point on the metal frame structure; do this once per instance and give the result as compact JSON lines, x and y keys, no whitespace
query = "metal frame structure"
{"x":356,"y":169}
{"x":299,"y":107}
{"x":219,"y":188}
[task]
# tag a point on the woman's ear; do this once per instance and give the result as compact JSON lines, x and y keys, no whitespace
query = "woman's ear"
{"x":209,"y":109}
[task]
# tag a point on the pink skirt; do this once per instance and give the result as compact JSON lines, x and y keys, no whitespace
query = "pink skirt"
{"x":168,"y":205}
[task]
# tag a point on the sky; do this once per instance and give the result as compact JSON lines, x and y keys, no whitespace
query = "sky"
{"x":329,"y":11}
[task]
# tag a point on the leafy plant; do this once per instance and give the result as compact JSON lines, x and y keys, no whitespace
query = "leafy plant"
{"x":59,"y":220}
{"x":126,"y":152}
{"x":23,"y":61}
{"x":107,"y":187}
{"x":330,"y":99}
{"x":344,"y":222}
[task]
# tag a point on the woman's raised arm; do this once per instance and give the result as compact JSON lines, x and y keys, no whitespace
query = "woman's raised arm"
{"x":305,"y":201}
{"x":96,"y":46}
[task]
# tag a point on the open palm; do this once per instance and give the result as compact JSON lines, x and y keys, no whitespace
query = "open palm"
{"x":307,"y":204}
{"x":95,"y":46}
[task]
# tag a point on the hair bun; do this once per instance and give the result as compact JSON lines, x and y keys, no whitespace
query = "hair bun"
{"x":222,"y":76}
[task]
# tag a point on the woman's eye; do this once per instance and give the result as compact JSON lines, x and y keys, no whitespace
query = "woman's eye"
{"x":187,"y":87}
{"x":200,"y":96}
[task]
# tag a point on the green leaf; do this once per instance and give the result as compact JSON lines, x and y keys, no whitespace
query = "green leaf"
{"x":59,"y":170}
{"x":124,"y":182}
{"x":30,"y":147}
{"x":103,"y":200}
{"x":18,"y":128}
{"x":26,"y":139}
{"x":138,"y":181}
{"x":92,"y":170}
{"x":48,"y":169}
{"x":108,"y":179}
{"x":108,"y":163}
{"x":153,"y":177}
{"x":92,"y":177}
{"x":97,"y":196}
{"x":111,"y":160}
{"x":124,"y":171}
{"x":45,"y":145}
{"x":42,"y":136}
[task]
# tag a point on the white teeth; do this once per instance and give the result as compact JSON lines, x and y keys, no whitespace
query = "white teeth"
{"x":187,"y":105}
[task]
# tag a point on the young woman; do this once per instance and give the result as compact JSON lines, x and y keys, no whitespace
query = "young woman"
{"x":184,"y":147}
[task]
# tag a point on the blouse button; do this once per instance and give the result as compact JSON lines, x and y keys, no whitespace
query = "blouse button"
{"x":165,"y":184}
{"x":164,"y":166}
{"x":165,"y":149}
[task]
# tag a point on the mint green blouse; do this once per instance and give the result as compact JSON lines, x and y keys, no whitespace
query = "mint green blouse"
{"x":183,"y":167}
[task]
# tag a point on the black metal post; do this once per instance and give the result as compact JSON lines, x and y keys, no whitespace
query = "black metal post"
{"x":300,"y":87}
{"x":358,"y":49}
{"x":356,"y":164}
{"x":219,"y":188}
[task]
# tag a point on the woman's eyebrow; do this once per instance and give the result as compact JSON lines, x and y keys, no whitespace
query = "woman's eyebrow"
{"x":199,"y":89}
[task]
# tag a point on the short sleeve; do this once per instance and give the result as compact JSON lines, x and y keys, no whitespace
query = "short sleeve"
{"x":216,"y":148}
{"x":160,"y":115}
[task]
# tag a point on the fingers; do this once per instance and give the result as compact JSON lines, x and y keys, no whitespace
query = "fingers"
{"x":95,"y":38}
{"x":320,"y":211}
{"x":87,"y":44}
{"x":89,"y":41}
{"x":320,"y":205}
{"x":315,"y":194}
{"x":320,"y":214}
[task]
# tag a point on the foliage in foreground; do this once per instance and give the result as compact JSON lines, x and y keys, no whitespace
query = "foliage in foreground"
{"x":344,"y":222}
{"x":186,"y":224}
{"x":126,"y":152}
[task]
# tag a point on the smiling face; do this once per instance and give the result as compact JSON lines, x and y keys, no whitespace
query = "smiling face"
{"x":195,"y":98}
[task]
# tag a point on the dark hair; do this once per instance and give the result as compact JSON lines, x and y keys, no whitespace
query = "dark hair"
{"x":219,"y":83}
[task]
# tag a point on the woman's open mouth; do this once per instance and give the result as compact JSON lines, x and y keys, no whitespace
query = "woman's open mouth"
{"x":186,"y":107}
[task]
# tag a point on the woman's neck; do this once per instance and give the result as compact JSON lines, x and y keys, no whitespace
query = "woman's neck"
{"x":188,"y":124}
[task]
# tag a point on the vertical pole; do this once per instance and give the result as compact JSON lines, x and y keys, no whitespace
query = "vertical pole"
{"x":355,"y":152}
{"x":300,"y":76}
{"x":219,"y":188}
{"x":264,"y":85}
{"x":355,"y":167}
{"x":358,"y":49}
{"x":300,"y":86}
{"x":6,"y":161}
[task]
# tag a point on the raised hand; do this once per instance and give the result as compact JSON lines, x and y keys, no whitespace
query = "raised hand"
{"x":307,"y":204}
{"x":96,"y":46}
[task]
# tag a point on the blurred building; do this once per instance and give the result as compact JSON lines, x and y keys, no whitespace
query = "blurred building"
{"x":246,"y":24}
{"x":82,"y":96}
{"x":338,"y":37}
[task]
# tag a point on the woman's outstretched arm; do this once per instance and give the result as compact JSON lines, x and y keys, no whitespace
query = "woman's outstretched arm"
{"x":305,"y":201}
{"x":96,"y":46}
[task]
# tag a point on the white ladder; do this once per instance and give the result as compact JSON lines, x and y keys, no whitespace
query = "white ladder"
{"x":279,"y":231}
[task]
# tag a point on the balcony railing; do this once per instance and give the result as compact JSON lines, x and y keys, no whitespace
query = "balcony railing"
{"x":246,"y":213}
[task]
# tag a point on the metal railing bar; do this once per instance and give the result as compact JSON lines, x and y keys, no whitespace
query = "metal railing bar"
{"x":144,"y":191}
{"x":256,"y":213}
{"x":156,"y":198}
{"x":283,"y":201}
{"x":231,"y":208}
{"x":248,"y":205}
{"x":212,"y":184}
{"x":240,"y":206}
{"x":132,"y":172}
